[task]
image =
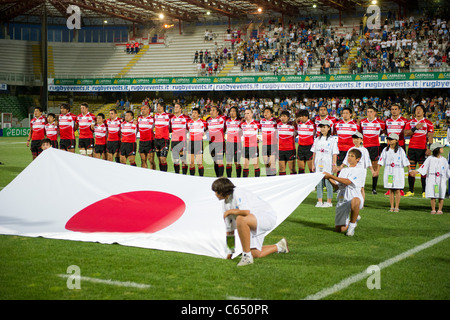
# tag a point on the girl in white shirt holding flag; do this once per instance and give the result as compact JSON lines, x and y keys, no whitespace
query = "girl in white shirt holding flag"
{"x":325,"y":151}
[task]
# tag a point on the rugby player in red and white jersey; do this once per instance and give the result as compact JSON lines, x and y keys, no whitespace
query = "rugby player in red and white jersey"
{"x":286,"y":143}
{"x":162,"y":135}
{"x":421,"y":131}
{"x":323,"y":115}
{"x":196,"y":128}
{"x":68,"y":124}
{"x":250,"y":129}
{"x":396,"y":124}
{"x":113,"y":141}
{"x":233,"y":147}
{"x":86,"y":137}
{"x":306,"y":132}
{"x":100,"y":133}
{"x":51,"y":130}
{"x":216,"y":128}
{"x":128,"y":129}
{"x":178,"y":125}
{"x":345,"y":128}
{"x":37,"y":132}
{"x":371,"y":128}
{"x":269,"y":141}
{"x":146,"y":124}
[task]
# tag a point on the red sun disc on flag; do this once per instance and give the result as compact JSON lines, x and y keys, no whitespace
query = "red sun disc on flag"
{"x":138,"y":211}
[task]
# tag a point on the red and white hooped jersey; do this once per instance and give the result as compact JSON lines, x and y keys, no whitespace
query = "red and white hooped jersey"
{"x":305,"y":133}
{"x":419,"y":138}
{"x":113,"y":126}
{"x":216,"y":128}
{"x":38,"y":127}
{"x":250,"y":132}
{"x":196,"y":129}
{"x":128,"y":130}
{"x":397,"y":126}
{"x":179,"y":127}
{"x":269,"y":130}
{"x":145,"y":126}
{"x":51,"y":131}
{"x":67,"y":124}
{"x":286,"y":136}
{"x":84,"y":125}
{"x":345,"y":131}
{"x":371,"y":131}
{"x":162,"y":125}
{"x":329,"y":118}
{"x":100,"y":131}
{"x":234,"y":132}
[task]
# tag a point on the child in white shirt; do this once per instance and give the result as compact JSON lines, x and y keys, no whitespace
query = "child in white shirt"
{"x":394,"y":160}
{"x":325,"y":151}
{"x":365,"y":161}
{"x":350,"y":200}
{"x":437,"y":171}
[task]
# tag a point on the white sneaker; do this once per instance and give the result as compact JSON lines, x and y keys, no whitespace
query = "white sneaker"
{"x":319,"y":205}
{"x":282,"y":246}
{"x":351,"y":230}
{"x":245,"y":260}
{"x":327,"y":205}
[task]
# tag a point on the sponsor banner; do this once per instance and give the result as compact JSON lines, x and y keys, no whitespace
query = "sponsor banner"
{"x":417,"y":76}
{"x":16,"y":132}
{"x":350,"y":85}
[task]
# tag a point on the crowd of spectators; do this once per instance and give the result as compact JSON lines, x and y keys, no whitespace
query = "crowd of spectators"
{"x":296,"y":47}
{"x":276,"y":48}
{"x":401,"y":43}
{"x":211,"y":62}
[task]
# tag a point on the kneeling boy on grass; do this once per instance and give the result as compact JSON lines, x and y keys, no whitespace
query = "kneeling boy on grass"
{"x":350,"y":200}
{"x":253,"y":218}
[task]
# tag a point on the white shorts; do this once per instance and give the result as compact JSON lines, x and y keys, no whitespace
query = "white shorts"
{"x":264,"y":223}
{"x":343,"y":210}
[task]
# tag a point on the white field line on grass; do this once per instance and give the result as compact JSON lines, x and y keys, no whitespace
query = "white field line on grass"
{"x":240,"y":298}
{"x":128,"y":284}
{"x":133,"y":285}
{"x":319,"y":295}
{"x":4,"y":143}
{"x":360,"y":276}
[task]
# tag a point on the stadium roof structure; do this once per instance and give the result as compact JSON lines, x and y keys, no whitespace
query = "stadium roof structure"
{"x":145,"y":11}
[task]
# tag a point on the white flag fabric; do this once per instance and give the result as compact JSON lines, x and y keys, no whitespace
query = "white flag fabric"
{"x":62,"y":195}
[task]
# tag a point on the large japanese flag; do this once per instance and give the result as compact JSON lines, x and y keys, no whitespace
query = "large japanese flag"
{"x":62,"y":195}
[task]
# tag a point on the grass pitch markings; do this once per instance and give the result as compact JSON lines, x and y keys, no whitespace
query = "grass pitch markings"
{"x":360,"y":276}
{"x":128,"y":284}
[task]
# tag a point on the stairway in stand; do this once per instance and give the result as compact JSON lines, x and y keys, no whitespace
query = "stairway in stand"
{"x":227,"y":68}
{"x":133,"y":61}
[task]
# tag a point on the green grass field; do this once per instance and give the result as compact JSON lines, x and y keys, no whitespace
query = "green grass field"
{"x":34,"y":268}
